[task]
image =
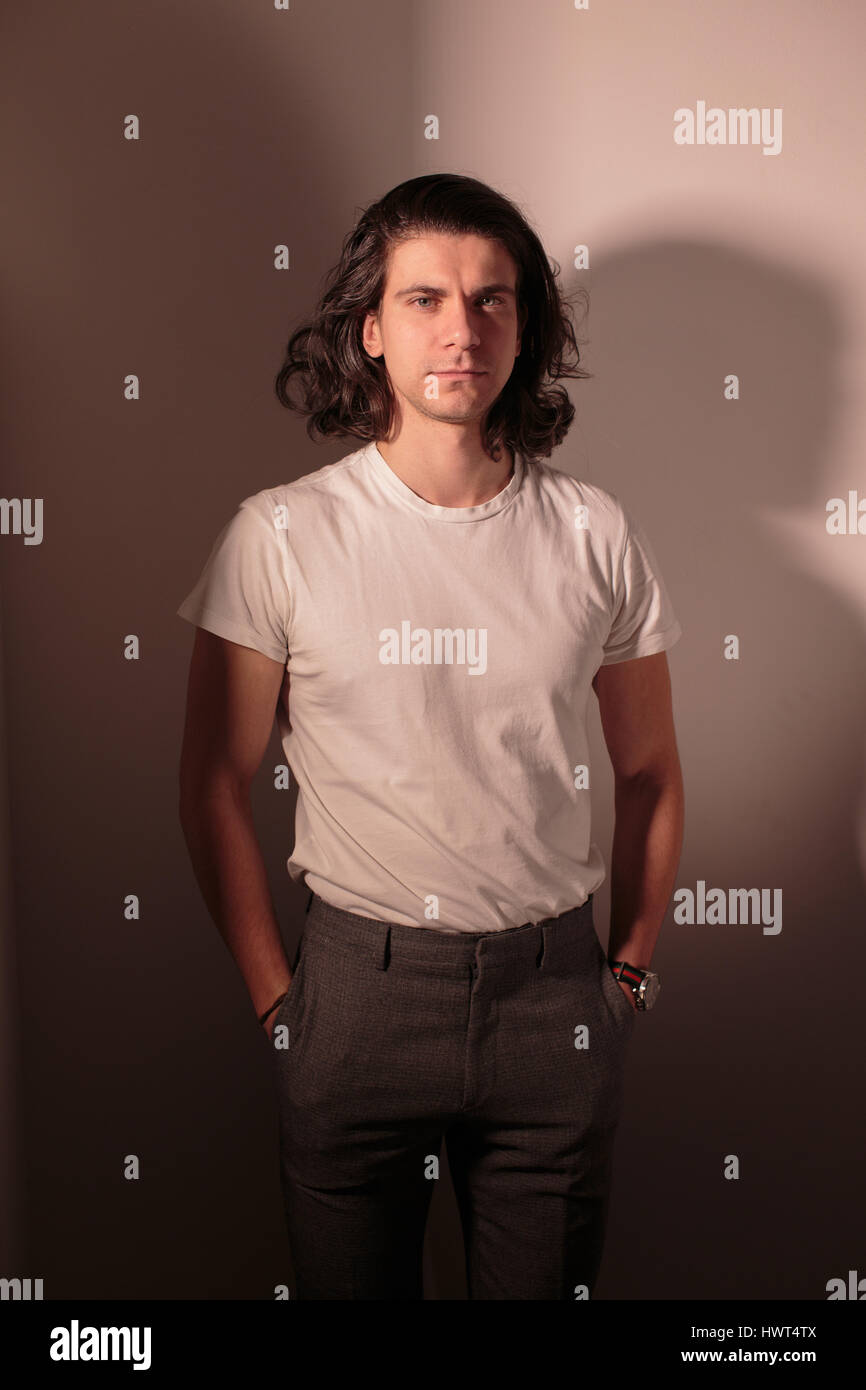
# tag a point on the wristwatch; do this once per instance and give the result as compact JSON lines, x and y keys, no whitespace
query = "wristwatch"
{"x":645,"y":984}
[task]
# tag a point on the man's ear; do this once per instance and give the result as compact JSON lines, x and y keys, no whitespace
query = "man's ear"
{"x":371,"y":338}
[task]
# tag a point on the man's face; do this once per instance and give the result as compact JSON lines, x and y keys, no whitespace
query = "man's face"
{"x":449,"y":305}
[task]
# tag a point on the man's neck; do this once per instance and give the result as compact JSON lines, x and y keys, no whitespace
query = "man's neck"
{"x":452,"y":479}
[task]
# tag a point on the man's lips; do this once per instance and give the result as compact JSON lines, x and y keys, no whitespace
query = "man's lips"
{"x":460,"y":372}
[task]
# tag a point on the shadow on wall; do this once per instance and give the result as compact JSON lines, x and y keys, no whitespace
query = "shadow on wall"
{"x":754,"y":1048}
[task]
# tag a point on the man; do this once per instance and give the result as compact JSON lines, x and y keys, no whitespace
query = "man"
{"x":426,"y":617}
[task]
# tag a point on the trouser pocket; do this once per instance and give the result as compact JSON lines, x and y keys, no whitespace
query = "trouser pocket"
{"x":622,"y":1012}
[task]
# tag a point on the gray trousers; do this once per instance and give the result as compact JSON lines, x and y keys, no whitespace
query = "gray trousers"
{"x":510,"y":1045}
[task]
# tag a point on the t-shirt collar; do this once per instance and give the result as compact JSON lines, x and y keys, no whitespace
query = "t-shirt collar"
{"x":430,"y":509}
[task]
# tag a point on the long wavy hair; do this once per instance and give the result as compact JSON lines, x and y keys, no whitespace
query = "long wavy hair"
{"x":347,"y":392}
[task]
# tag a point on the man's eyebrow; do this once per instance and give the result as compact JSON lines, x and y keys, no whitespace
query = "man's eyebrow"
{"x":497,"y":287}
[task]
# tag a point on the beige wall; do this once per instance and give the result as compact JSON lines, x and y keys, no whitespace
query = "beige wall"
{"x":155,"y":257}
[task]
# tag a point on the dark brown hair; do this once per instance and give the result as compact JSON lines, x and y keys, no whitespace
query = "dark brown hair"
{"x":347,"y":392}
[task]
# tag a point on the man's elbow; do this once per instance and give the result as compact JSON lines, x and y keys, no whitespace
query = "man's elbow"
{"x":661,"y":771}
{"x":198,"y":790}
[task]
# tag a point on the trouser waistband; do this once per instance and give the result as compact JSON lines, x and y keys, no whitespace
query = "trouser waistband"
{"x":551,"y":940}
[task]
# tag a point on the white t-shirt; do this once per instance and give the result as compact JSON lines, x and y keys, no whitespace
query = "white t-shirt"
{"x":440,"y":660}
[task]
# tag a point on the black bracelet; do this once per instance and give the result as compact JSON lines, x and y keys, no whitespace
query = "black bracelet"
{"x":269,"y":1011}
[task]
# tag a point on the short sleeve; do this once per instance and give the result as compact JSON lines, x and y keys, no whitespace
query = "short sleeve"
{"x":644,"y":621}
{"x":243,"y":591}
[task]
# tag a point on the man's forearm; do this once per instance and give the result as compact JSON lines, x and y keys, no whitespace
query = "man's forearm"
{"x":647,"y":841}
{"x":228,"y":865}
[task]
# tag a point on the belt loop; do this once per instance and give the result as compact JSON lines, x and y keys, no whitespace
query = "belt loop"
{"x":539,"y":959}
{"x":383,"y":950}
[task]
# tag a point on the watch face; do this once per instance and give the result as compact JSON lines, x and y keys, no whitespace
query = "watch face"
{"x":651,"y":989}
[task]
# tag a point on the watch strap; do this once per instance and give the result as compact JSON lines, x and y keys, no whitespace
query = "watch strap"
{"x":630,"y":974}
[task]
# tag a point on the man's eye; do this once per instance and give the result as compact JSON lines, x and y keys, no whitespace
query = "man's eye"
{"x":429,"y":300}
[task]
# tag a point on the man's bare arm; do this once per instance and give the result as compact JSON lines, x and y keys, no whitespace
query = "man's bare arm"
{"x":231,"y":701}
{"x":637,"y":719}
